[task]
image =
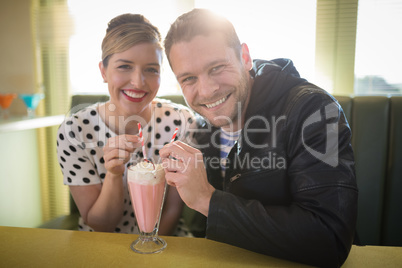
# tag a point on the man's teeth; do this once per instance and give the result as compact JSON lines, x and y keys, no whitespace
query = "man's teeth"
{"x":212,"y":105}
{"x":135,"y":95}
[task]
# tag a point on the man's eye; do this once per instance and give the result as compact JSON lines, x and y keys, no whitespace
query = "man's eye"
{"x":188,"y":79}
{"x":217,"y":68}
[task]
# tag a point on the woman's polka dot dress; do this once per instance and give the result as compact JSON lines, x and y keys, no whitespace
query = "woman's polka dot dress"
{"x":82,"y":136}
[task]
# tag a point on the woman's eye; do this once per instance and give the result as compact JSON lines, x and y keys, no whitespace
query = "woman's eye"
{"x":152,"y":70}
{"x":126,"y":66}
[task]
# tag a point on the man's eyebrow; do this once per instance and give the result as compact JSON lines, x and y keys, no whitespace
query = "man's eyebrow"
{"x":182,"y":75}
{"x":209,"y":65}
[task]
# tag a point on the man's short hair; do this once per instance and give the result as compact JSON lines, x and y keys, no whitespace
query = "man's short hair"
{"x":201,"y":22}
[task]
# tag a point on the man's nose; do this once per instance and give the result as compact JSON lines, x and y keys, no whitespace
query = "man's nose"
{"x":207,"y":87}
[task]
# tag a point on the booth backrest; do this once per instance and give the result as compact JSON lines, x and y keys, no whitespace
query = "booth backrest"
{"x":376,"y":123}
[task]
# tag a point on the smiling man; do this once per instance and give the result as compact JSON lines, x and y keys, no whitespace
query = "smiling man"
{"x":220,"y":73}
{"x":284,"y":183}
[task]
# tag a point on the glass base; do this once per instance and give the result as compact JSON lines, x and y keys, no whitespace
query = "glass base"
{"x":148,"y":244}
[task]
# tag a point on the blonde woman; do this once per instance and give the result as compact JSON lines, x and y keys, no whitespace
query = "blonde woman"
{"x":96,"y":144}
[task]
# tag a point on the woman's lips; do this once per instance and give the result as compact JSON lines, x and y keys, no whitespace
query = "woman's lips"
{"x":134,"y":95}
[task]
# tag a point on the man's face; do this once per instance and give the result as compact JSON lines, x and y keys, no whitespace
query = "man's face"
{"x":215,"y":82}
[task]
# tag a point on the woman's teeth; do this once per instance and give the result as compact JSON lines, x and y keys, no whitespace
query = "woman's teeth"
{"x":134,"y":95}
{"x":212,"y":105}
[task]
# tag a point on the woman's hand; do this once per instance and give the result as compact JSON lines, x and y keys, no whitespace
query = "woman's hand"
{"x":117,"y":152}
{"x":101,"y":205}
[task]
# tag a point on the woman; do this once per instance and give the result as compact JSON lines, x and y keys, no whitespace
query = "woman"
{"x":96,"y":144}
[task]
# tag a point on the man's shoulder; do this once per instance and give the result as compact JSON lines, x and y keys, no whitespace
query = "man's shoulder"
{"x":309,"y":95}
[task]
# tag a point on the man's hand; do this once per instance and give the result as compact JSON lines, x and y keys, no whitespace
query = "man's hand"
{"x":184,"y":169}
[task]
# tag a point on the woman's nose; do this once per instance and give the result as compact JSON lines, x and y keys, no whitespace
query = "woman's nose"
{"x":137,"y":79}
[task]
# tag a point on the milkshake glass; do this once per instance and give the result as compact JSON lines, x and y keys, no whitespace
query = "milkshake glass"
{"x":147,"y":186}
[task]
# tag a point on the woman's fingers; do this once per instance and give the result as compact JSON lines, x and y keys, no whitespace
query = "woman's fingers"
{"x":128,"y":142}
{"x":117,"y":152}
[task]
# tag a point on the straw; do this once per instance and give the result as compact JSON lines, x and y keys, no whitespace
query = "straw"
{"x":142,"y":141}
{"x":174,"y":134}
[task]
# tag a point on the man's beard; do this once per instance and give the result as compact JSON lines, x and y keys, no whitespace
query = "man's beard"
{"x":240,"y":94}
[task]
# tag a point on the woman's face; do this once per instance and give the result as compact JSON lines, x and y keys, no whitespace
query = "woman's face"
{"x":133,"y":78}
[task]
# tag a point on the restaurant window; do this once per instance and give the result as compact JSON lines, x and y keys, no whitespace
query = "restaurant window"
{"x":335,"y":45}
{"x":90,"y":29}
{"x":51,"y":28}
{"x":271,"y":28}
{"x":378,"y":48}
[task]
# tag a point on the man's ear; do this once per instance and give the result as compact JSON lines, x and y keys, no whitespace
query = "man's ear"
{"x":103,"y":71}
{"x":245,"y":56}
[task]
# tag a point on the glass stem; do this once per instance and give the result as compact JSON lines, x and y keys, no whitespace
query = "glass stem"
{"x":31,"y":112}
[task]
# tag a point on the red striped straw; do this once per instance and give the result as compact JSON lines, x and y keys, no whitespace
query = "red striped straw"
{"x":174,"y":134}
{"x":142,"y":141}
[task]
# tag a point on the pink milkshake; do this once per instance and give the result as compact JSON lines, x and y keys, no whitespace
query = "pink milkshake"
{"x":147,"y":187}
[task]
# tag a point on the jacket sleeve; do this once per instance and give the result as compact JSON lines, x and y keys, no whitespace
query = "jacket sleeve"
{"x":317,"y":228}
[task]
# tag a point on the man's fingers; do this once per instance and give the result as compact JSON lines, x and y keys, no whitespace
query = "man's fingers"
{"x":187,"y":147}
{"x":174,"y":165}
{"x":174,"y":179}
{"x":178,"y":150}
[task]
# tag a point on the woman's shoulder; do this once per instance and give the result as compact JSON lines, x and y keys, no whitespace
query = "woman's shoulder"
{"x":173,"y":113}
{"x":166,"y":106}
{"x":161,"y":102}
{"x":85,"y":118}
{"x":85,"y":115}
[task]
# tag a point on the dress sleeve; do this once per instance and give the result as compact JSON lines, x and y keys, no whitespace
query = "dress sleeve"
{"x":189,"y":127}
{"x":75,"y":158}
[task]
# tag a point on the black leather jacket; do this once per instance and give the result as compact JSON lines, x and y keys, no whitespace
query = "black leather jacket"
{"x":290,"y":188}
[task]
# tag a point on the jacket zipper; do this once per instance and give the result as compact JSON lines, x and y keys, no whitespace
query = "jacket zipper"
{"x":235,"y":177}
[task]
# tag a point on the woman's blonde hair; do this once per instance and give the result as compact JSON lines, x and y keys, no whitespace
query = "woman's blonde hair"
{"x":125,"y":31}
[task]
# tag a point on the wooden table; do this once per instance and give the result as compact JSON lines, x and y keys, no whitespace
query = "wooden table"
{"x":30,"y":247}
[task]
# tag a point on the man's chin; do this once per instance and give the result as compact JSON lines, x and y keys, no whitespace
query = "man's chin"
{"x":217,"y":119}
{"x":221,"y":121}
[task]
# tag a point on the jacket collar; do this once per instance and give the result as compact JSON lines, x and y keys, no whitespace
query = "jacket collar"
{"x":272,"y":80}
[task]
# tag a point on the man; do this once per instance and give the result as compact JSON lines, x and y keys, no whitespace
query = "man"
{"x":285,"y":184}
